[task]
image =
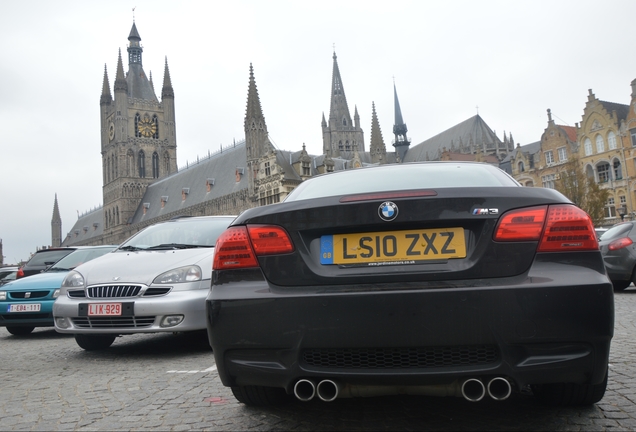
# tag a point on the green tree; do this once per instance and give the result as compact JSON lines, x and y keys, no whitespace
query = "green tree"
{"x":583,"y":190}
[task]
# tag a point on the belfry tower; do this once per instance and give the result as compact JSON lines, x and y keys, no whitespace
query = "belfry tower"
{"x":138,"y":138}
{"x":401,"y":142}
{"x":341,"y":136}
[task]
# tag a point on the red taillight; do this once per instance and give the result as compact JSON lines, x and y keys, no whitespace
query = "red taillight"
{"x":558,"y":228}
{"x":19,"y":274}
{"x":239,"y":246}
{"x":568,"y":228}
{"x":521,"y":225}
{"x":620,"y":243}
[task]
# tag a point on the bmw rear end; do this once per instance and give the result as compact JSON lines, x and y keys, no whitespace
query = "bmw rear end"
{"x":447,"y":279}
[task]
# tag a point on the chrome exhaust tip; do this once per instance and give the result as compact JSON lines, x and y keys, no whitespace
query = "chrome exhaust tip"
{"x":473,"y":390}
{"x":499,"y":388}
{"x":328,"y":390}
{"x":304,"y":390}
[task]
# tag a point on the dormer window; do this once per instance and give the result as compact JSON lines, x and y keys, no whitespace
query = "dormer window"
{"x":164,"y":200}
{"x":208,"y":184}
{"x":184,"y":193}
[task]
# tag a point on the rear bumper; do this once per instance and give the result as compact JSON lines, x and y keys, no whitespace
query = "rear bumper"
{"x":531,"y":330}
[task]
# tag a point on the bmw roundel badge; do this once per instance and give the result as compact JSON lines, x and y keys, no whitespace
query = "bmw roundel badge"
{"x":388,"y":211}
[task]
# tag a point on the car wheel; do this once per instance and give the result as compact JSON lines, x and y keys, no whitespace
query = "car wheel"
{"x":19,"y":331}
{"x":259,"y":396}
{"x":621,"y":285}
{"x":568,"y":394}
{"x":94,"y":342}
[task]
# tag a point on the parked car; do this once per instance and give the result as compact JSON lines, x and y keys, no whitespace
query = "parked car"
{"x":28,"y":302}
{"x":156,"y":281}
{"x":600,"y":232}
{"x":8,"y":274}
{"x":439,"y":278}
{"x":618,"y":246}
{"x":43,"y":259}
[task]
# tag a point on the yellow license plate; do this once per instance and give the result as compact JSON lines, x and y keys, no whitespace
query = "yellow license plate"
{"x":393,"y":246}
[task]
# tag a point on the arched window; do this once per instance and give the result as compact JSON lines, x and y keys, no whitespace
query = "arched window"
{"x":589,"y":172}
{"x":108,"y":169}
{"x":588,"y":147}
{"x":137,"y":120}
{"x":600,"y":144}
{"x":611,"y":140}
{"x":112,"y":168}
{"x":618,"y":170}
{"x":155,"y":121}
{"x":521,"y":166}
{"x":166,"y":163}
{"x":142,"y":164}
{"x":130,"y":163}
{"x":603,"y":170}
{"x":155,"y":165}
{"x":340,"y":145}
{"x":344,"y":121}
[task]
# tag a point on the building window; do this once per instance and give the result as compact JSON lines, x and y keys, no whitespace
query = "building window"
{"x":549,"y":157}
{"x":622,"y":199}
{"x":611,"y":140}
{"x":155,"y":121}
{"x":155,"y":165}
{"x":588,"y":147}
{"x":618,"y":171}
{"x":166,"y":163}
{"x":563,"y":154}
{"x":306,"y":168}
{"x":633,"y":135}
{"x":130,"y":162}
{"x":610,"y":208}
{"x":600,"y":144}
{"x":548,"y":181}
{"x":268,"y":170}
{"x":522,"y":168}
{"x":137,"y":120}
{"x":603,"y":170}
{"x":142,"y":164}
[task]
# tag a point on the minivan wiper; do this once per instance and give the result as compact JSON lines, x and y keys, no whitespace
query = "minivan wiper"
{"x":131,"y":248}
{"x":175,"y":246}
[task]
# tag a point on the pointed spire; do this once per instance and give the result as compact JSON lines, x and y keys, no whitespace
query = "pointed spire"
{"x":254,"y":110}
{"x":377,"y":146}
{"x":56,"y":225}
{"x":106,"y":97}
{"x":167,"y":90}
{"x":120,"y":78}
{"x":324,"y":122}
{"x":339,"y":108}
{"x":402,"y":142}
{"x":134,"y":46}
{"x":150,"y":79}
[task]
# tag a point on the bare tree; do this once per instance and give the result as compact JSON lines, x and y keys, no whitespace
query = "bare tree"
{"x":582,"y":190}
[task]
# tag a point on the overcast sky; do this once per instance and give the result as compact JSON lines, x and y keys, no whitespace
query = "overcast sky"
{"x":511,"y":59}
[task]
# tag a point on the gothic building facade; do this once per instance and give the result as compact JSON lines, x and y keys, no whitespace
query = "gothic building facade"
{"x":141,"y":183}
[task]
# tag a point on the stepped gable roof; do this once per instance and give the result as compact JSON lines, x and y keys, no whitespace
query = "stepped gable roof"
{"x":87,"y":227}
{"x":621,"y":109}
{"x":222,"y":167}
{"x":474,"y":130}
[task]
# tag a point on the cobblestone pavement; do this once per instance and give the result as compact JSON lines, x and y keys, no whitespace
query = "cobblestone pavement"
{"x":169,"y":382}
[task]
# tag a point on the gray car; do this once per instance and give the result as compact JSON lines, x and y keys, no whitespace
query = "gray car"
{"x":618,"y":246}
{"x":156,"y":281}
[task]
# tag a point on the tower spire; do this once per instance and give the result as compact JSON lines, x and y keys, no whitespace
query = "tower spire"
{"x":106,"y":97}
{"x":377,"y":146}
{"x":56,"y":226}
{"x":401,"y":143}
{"x":167,"y":90}
{"x":120,"y":78}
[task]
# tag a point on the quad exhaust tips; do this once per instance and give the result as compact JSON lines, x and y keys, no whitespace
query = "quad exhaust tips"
{"x":472,"y":389}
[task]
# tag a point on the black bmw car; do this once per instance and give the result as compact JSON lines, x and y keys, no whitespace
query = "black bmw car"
{"x":439,"y":278}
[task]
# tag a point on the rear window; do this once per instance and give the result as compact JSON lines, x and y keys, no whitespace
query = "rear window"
{"x":49,"y":257}
{"x":387,"y":178}
{"x":617,"y":231}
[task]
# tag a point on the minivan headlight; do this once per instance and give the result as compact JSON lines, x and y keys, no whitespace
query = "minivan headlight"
{"x":179,"y":275}
{"x":73,"y":279}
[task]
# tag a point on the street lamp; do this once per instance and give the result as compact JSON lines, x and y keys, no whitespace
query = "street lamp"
{"x":622,"y":211}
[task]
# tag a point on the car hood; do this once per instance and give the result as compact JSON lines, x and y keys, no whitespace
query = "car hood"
{"x":143,"y":266}
{"x":45,"y":280}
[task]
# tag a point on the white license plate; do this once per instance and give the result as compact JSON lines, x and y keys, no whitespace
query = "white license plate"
{"x":26,"y":307}
{"x":107,"y":309}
